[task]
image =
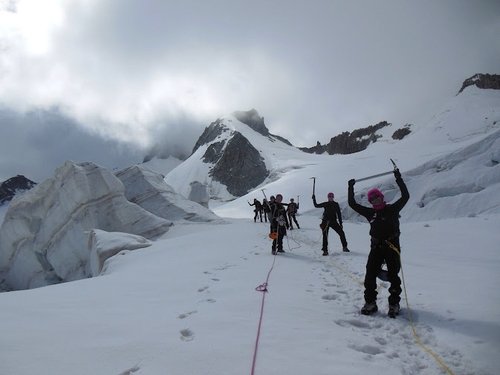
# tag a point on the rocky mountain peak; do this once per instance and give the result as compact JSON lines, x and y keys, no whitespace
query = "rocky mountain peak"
{"x":210,"y":133}
{"x":10,"y":187}
{"x":253,"y":120}
{"x":483,"y":81}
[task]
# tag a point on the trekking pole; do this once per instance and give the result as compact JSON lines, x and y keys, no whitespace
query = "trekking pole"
{"x":379,"y":174}
{"x":314,"y":184}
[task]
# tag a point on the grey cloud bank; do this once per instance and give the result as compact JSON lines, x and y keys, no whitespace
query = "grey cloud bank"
{"x":137,"y":71}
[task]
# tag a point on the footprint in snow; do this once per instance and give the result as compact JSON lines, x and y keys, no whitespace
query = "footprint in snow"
{"x":130,"y":371}
{"x":186,"y":334}
{"x":185,"y":315}
{"x":353,"y":322}
{"x":367,"y":349}
{"x":381,"y":340}
{"x":329,"y":297}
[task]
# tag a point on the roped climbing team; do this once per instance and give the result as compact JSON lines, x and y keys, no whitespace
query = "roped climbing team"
{"x":384,"y":234}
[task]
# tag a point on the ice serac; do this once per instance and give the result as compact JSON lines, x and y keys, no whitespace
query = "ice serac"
{"x":104,"y":245}
{"x":149,"y":190}
{"x":44,"y":236}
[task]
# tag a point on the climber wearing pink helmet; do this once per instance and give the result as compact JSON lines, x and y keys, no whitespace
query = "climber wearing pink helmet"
{"x":384,"y":233}
{"x":332,"y":218}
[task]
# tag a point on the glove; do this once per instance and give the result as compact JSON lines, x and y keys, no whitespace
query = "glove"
{"x":397,"y":174}
{"x":351,"y":182}
{"x":314,"y":196}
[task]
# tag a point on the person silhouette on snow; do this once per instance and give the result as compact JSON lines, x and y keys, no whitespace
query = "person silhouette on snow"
{"x":384,"y":243}
{"x":292,"y":212}
{"x":266,"y":209}
{"x":332,"y":218}
{"x":258,"y":209}
{"x":279,"y":224}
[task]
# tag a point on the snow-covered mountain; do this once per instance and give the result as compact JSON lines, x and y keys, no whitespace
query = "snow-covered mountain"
{"x":261,"y":161}
{"x":233,"y":155}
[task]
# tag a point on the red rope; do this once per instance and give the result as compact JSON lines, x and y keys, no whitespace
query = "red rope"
{"x":261,"y":288}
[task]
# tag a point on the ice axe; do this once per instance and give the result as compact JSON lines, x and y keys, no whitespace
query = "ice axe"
{"x":314,"y":184}
{"x":263,"y":193}
{"x":379,"y":174}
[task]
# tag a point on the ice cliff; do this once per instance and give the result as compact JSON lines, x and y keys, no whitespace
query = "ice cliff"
{"x":44,"y":238}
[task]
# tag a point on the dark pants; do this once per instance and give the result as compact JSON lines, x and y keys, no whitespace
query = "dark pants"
{"x":257,"y":214}
{"x":281,"y":233}
{"x":292,"y":217}
{"x":326,"y":225}
{"x":380,"y":251}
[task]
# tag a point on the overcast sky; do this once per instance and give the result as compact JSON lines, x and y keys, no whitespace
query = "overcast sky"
{"x":132,"y":71}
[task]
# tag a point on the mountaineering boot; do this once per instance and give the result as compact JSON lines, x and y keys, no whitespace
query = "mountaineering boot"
{"x":369,"y":308}
{"x":393,"y":310}
{"x":325,"y":252}
{"x":345,"y":249}
{"x":281,"y":251}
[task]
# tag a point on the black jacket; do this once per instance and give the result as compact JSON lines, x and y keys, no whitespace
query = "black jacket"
{"x":384,"y":223}
{"x":332,"y":210}
{"x":278,"y":215}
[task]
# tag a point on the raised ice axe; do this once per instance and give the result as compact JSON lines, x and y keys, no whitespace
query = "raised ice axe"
{"x":314,"y":184}
{"x":379,"y":174}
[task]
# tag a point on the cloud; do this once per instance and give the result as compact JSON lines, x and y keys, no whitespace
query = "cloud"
{"x":35,"y":143}
{"x":129,"y":69}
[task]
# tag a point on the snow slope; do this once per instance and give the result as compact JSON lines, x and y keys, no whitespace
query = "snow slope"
{"x":188,"y":305}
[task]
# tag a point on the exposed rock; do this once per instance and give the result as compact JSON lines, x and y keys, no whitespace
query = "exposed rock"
{"x":318,"y":149}
{"x":240,"y":167}
{"x":401,"y":132}
{"x":348,"y":143}
{"x":210,"y":133}
{"x":214,"y":152}
{"x":483,"y":81}
{"x":14,"y":185}
{"x":253,"y":120}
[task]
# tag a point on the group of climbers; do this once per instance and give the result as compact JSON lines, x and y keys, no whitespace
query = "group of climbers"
{"x":281,"y":217}
{"x":384,"y":234}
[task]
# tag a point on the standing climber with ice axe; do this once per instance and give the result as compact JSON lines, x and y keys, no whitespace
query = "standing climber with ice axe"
{"x":332,"y":218}
{"x":384,"y":244}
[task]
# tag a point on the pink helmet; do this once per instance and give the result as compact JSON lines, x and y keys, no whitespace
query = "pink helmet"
{"x":374,"y":194}
{"x":330,"y":195}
